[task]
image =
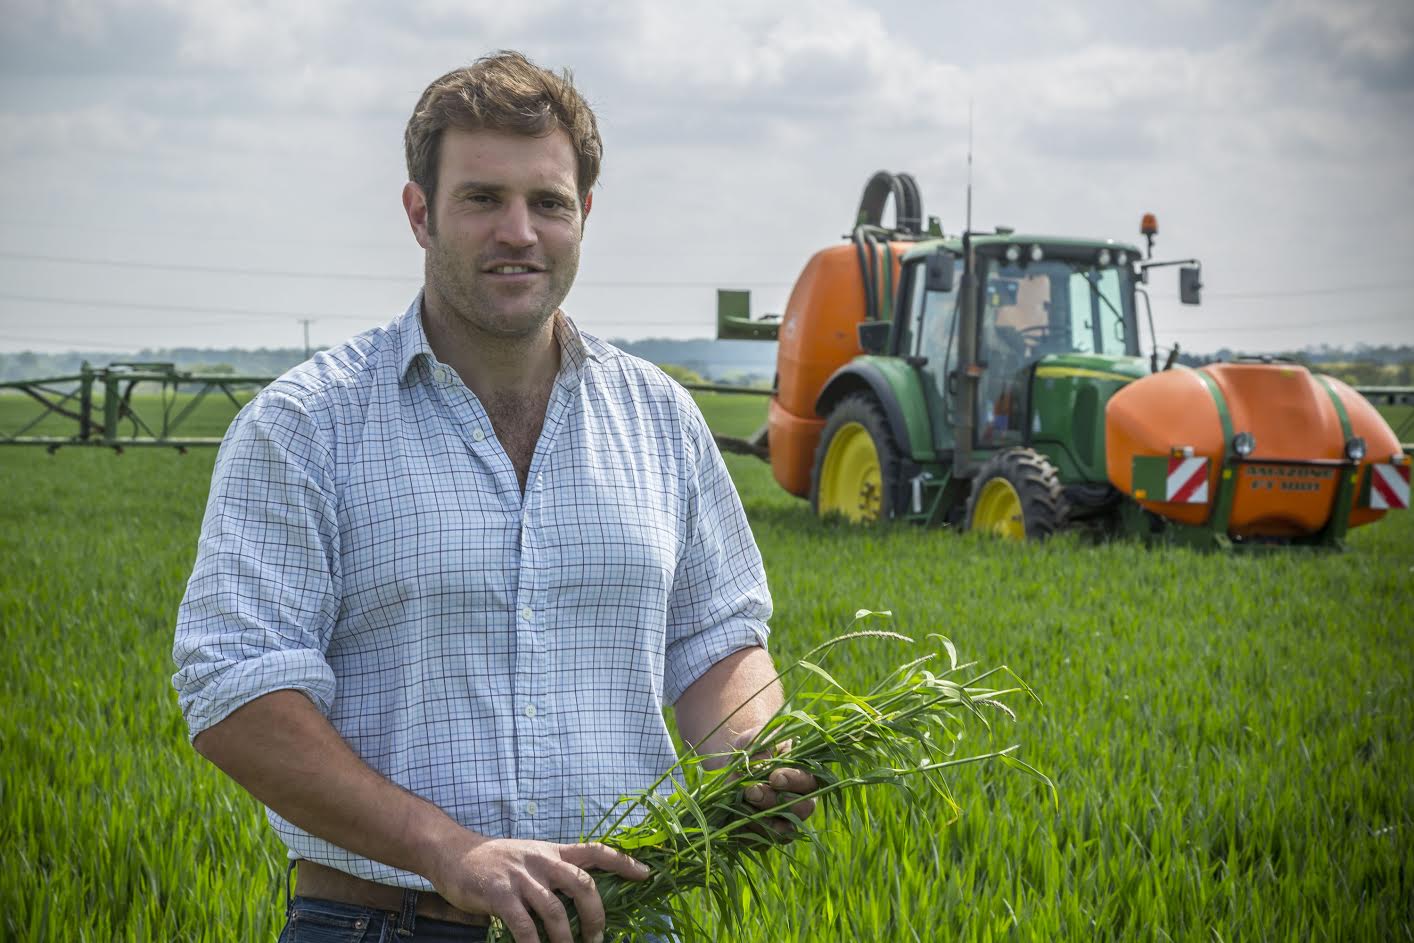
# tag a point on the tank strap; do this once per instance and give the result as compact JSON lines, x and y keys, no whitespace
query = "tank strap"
{"x":1227,"y":485}
{"x":1345,"y":429}
{"x":1223,"y":415}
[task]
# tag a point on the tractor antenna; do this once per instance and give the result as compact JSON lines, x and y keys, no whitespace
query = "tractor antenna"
{"x":969,"y":165}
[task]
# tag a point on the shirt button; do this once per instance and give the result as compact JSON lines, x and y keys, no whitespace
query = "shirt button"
{"x":440,"y":374}
{"x":526,"y":614}
{"x":477,"y":434}
{"x":531,"y":808}
{"x":530,"y":710}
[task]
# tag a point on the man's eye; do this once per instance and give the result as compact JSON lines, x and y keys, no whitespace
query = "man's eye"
{"x":552,"y":204}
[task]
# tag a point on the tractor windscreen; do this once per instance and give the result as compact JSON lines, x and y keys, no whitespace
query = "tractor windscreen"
{"x":1058,"y":306}
{"x":1034,"y":309}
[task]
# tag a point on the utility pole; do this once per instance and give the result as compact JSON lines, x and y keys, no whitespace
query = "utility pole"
{"x":306,"y":322}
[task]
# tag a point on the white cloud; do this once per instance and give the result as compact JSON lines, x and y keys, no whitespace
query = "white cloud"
{"x":252,"y":35}
{"x":98,"y":130}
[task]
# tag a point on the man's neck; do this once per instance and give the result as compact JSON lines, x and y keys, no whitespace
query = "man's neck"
{"x":492,"y":367}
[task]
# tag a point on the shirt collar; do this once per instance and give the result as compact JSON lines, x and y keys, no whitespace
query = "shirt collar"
{"x":412,"y":340}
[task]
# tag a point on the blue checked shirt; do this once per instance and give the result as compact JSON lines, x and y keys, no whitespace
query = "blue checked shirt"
{"x":505,"y":655}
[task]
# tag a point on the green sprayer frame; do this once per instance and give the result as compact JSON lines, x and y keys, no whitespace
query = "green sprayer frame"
{"x":99,"y":401}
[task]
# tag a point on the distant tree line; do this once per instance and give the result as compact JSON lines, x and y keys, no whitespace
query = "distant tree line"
{"x":742,"y":363}
{"x":1364,"y":365}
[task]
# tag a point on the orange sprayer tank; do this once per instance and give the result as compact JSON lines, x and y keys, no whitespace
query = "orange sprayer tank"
{"x":818,"y":335}
{"x":1293,"y":420}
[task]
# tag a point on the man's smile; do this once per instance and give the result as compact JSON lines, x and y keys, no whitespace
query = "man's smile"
{"x":513,"y":268}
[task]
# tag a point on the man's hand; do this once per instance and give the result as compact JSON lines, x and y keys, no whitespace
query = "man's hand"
{"x":513,"y":879}
{"x":779,"y":786}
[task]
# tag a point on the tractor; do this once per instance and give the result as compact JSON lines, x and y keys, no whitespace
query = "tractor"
{"x":994,"y":381}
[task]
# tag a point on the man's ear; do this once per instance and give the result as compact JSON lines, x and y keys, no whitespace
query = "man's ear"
{"x":588,"y":205}
{"x":419,"y":213}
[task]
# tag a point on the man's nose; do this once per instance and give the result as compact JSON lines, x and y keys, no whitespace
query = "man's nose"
{"x":514,"y":227}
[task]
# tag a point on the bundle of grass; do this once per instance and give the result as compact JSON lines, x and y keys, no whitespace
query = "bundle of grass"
{"x":698,"y":832}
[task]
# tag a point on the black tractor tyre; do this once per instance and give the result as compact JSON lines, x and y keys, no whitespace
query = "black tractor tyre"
{"x":865,"y":410}
{"x":1037,"y":485}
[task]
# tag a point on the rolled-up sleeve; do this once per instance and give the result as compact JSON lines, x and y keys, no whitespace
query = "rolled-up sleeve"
{"x":719,"y":603}
{"x":264,"y":593}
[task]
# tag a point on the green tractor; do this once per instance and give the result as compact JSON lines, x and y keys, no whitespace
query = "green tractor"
{"x":996,"y":382}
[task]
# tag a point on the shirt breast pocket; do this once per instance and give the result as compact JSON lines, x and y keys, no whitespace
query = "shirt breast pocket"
{"x":613,"y":541}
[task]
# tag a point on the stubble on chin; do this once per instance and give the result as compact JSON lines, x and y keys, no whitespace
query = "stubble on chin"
{"x":470,"y":308}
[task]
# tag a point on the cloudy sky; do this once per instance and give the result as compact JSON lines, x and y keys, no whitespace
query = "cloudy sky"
{"x":208,"y":173}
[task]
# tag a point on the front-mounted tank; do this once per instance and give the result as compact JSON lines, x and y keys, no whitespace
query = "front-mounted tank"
{"x":819,"y":333}
{"x":840,"y":288}
{"x":1255,"y":452}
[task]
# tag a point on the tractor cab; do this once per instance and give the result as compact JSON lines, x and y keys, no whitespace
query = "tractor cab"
{"x":1043,"y":305}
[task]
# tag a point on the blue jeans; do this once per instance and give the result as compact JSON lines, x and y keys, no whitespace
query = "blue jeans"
{"x":327,"y":921}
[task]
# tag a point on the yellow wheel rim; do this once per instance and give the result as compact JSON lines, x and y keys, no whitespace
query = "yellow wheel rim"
{"x":850,"y":481}
{"x":998,"y":510}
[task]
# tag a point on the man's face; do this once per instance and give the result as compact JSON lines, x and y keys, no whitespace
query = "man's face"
{"x":508,"y":226}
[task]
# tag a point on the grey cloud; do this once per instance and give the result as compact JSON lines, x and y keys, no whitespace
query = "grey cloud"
{"x":1372,"y":44}
{"x":1107,"y":137}
{"x":136,"y":41}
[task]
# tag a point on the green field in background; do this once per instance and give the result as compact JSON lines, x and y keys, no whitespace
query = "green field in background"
{"x":1230,"y":737}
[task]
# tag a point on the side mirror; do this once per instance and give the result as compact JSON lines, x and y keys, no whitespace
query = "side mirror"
{"x":940,"y":270}
{"x":874,"y":336}
{"x":1190,"y":285}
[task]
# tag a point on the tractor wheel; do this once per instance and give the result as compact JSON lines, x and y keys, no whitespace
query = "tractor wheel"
{"x":855,"y":463}
{"x":1016,"y":494}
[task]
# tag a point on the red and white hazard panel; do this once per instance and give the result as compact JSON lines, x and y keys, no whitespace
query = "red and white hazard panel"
{"x":1188,"y":481}
{"x":1389,"y":487}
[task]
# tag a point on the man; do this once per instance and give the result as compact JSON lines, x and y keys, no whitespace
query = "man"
{"x":452,"y":569}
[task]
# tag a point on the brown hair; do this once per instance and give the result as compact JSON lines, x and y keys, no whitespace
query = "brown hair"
{"x":501,"y":92}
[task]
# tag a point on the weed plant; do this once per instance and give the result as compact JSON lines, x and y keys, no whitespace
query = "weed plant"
{"x":903,"y":732}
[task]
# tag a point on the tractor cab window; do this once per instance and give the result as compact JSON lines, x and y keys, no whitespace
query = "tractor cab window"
{"x":1032,"y":310}
{"x":1095,"y":312}
{"x":932,"y":316}
{"x":1016,"y":332}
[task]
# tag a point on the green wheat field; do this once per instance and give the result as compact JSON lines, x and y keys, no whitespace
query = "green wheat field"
{"x":1231,"y":738}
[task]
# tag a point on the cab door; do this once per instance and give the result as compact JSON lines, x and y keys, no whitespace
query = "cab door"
{"x":929,"y":342}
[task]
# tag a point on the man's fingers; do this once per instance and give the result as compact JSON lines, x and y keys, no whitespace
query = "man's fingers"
{"x":603,"y":858}
{"x":803,"y":808}
{"x":550,"y":911}
{"x":792,"y":780}
{"x":517,"y":920}
{"x":760,"y":795}
{"x":580,"y":887}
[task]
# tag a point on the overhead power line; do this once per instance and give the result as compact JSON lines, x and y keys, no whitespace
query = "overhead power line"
{"x":208,"y":269}
{"x":1311,"y":292}
{"x":1273,"y":325}
{"x":76,"y":345}
{"x":339,"y":276}
{"x":314,"y":241}
{"x":183,"y":309}
{"x":370,"y":319}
